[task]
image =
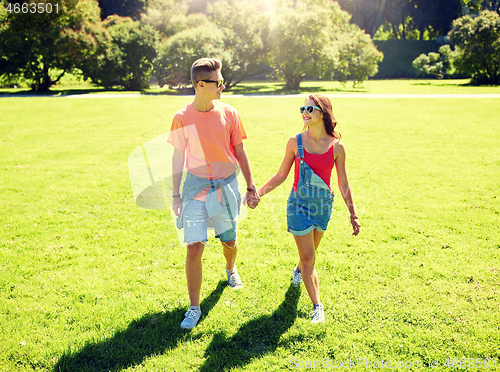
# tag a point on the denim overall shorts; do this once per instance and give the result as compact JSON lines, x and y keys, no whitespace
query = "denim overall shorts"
{"x":310,"y":207}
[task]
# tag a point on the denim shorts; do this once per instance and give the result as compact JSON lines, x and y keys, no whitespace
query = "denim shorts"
{"x":306,"y":214}
{"x":196,"y":223}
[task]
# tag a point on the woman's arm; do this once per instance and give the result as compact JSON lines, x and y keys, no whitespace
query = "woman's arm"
{"x":282,"y":173}
{"x":344,"y":187}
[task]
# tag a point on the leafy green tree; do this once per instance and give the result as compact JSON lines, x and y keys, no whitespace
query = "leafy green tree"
{"x":34,"y":44}
{"x":126,"y":50}
{"x":177,"y":54}
{"x":246,"y":29}
{"x":168,"y":17}
{"x":314,"y":38}
{"x":358,"y":57}
{"x":477,"y":46}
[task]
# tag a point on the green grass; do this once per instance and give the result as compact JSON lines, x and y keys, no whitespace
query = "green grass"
{"x":90,"y":282}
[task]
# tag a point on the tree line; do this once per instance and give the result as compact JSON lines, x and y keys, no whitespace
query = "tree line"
{"x":126,"y":42}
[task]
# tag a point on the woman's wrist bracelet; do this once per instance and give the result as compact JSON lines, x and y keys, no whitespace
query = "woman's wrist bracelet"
{"x":176,"y":196}
{"x":251,"y":189}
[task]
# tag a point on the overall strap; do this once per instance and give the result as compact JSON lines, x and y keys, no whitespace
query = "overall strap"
{"x":300,"y":148}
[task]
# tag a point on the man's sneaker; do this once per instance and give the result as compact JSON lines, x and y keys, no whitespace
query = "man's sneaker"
{"x":297,"y":276}
{"x":318,"y":314}
{"x":234,"y":279}
{"x":192,"y":317}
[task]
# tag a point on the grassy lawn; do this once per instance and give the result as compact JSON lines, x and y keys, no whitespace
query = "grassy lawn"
{"x":91,"y":282}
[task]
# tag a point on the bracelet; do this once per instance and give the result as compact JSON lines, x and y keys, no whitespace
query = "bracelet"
{"x":176,"y":196}
{"x":251,"y":189}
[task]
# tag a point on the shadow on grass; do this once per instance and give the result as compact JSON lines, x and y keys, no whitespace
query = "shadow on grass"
{"x":248,"y":90}
{"x":150,"y":335}
{"x":57,"y":92}
{"x":254,"y":339}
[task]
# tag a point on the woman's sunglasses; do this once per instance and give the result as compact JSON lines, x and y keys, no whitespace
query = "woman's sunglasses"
{"x":218,"y":82}
{"x":309,"y":109}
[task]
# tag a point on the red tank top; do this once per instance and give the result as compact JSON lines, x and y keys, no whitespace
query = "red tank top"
{"x":321,"y":164}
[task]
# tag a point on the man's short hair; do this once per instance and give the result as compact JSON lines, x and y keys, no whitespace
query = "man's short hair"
{"x":203,"y":67}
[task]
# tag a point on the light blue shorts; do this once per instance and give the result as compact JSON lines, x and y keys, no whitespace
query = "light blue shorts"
{"x":306,"y":214}
{"x":196,"y":223}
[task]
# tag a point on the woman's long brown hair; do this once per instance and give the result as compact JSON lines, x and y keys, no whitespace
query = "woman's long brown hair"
{"x":328,"y":119}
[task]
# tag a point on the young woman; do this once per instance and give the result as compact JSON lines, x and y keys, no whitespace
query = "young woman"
{"x":315,"y":152}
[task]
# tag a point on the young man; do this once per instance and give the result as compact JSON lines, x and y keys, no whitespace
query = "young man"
{"x":207,"y":135}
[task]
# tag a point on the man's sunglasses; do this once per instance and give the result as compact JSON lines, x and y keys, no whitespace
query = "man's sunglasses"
{"x":309,"y":109}
{"x":218,"y":82}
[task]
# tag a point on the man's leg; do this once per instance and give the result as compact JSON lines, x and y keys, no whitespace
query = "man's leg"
{"x":230,"y":249}
{"x":194,"y":271}
{"x":193,"y":275}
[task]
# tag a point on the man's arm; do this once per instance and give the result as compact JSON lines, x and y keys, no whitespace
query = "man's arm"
{"x":241,"y":155}
{"x":177,"y":168}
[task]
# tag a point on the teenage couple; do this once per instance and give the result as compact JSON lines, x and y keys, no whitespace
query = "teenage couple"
{"x":207,"y":135}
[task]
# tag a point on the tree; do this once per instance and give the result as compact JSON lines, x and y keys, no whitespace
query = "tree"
{"x":126,"y":50}
{"x":34,"y":44}
{"x":177,"y":54}
{"x":246,"y":30}
{"x":168,"y":17}
{"x":358,"y":57}
{"x":314,"y":38}
{"x":367,"y":14}
{"x":477,"y":46}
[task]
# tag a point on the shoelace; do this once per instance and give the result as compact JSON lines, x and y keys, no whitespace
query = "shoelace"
{"x":191,"y":314}
{"x":315,"y":313}
{"x":232,"y":279}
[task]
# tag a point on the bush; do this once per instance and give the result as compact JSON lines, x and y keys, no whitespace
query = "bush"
{"x":477,"y":47}
{"x":436,"y":64}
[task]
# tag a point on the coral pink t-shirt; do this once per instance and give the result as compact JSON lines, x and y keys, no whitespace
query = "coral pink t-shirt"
{"x":209,"y":139}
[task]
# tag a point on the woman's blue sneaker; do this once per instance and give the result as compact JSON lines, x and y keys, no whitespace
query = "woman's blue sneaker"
{"x":297,"y":276}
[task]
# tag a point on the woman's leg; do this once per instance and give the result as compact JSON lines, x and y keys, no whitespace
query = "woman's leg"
{"x":317,"y":239}
{"x":307,"y":245}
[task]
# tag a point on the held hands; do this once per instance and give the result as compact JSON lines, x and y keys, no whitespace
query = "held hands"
{"x":252,"y":199}
{"x":356,"y":226}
